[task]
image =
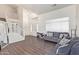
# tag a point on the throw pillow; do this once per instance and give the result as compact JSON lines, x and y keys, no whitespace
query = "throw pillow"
{"x":61,"y":36}
{"x":64,"y":41}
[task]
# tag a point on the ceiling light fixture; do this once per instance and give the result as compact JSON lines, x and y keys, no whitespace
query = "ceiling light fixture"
{"x":53,"y":5}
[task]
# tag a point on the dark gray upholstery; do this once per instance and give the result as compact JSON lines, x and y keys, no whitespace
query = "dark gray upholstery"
{"x":75,"y":49}
{"x":71,"y":49}
{"x":64,"y":50}
{"x":55,"y":36}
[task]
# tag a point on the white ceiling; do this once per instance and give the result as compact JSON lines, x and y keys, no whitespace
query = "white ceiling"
{"x":42,"y":8}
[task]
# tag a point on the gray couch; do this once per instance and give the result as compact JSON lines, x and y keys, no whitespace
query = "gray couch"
{"x":55,"y":36}
{"x":71,"y":49}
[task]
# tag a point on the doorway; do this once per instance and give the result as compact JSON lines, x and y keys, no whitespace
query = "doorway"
{"x":3,"y":34}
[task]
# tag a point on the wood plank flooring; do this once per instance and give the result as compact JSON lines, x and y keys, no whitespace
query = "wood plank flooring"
{"x":30,"y":46}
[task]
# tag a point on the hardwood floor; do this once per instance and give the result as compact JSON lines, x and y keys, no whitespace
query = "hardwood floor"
{"x":29,"y":46}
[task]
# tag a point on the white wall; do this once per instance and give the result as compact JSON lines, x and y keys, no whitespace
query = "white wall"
{"x":8,"y":12}
{"x":77,"y":19}
{"x":69,"y":11}
{"x":29,"y":24}
{"x":27,"y":21}
{"x":35,"y":29}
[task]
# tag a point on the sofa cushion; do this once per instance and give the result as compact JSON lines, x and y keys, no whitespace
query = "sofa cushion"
{"x":50,"y":34}
{"x":63,"y":50}
{"x":56,"y":34}
{"x":75,"y":49}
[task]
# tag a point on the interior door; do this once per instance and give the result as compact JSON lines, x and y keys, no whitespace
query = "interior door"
{"x":3,"y":35}
{"x":34,"y":29}
{"x":14,"y":33}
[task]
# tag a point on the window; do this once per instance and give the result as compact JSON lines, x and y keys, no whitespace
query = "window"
{"x":58,"y":25}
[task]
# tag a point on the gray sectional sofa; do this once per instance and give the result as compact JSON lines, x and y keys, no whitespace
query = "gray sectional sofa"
{"x":55,"y":36}
{"x":71,"y":49}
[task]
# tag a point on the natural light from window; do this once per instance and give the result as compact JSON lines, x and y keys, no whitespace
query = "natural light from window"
{"x":58,"y":25}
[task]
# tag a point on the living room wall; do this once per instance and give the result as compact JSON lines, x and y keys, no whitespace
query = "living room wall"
{"x":7,"y":11}
{"x":69,"y":11}
{"x":77,"y":19}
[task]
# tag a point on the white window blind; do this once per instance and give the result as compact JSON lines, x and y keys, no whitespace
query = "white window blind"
{"x":58,"y":25}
